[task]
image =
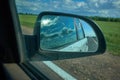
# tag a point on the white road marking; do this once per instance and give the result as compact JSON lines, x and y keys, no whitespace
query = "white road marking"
{"x":95,"y":41}
{"x":59,"y":71}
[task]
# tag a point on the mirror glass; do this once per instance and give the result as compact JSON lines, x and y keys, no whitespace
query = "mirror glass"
{"x":67,"y":34}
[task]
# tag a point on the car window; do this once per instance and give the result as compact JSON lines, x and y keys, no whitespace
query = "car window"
{"x":104,"y":12}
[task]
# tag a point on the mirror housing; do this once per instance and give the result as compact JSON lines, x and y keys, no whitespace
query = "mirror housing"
{"x":56,"y":55}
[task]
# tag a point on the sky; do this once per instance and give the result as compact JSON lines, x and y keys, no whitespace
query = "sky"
{"x":103,"y":8}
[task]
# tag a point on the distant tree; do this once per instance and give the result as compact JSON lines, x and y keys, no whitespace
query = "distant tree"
{"x":97,"y":18}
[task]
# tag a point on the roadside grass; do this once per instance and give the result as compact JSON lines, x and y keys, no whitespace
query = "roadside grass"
{"x":27,"y":20}
{"x":111,"y":31}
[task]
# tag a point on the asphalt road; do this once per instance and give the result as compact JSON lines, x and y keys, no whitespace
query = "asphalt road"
{"x":92,"y":44}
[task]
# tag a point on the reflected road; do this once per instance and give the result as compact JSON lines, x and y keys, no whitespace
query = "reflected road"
{"x":92,"y":43}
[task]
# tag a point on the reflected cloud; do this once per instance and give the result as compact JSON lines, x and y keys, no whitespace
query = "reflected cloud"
{"x":48,"y":22}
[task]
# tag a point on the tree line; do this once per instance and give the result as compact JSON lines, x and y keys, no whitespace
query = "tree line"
{"x":27,"y":14}
{"x":97,"y":18}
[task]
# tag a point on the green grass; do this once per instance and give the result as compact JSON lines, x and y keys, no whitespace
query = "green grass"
{"x":111,"y":32}
{"x":27,"y":20}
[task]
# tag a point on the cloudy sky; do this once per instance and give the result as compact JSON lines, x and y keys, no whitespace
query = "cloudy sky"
{"x":104,"y":8}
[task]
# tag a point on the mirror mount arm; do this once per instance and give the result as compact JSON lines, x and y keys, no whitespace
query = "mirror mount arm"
{"x":31,"y":44}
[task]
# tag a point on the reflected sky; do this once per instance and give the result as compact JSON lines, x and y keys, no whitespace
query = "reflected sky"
{"x":64,"y":23}
{"x":87,"y":29}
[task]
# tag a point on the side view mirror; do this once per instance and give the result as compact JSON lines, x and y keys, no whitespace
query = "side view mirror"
{"x":63,"y":36}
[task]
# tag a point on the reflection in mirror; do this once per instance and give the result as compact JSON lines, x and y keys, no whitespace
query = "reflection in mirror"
{"x":67,"y":34}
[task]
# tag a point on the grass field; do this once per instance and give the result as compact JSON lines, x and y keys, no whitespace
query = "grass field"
{"x":111,"y":31}
{"x":27,"y":20}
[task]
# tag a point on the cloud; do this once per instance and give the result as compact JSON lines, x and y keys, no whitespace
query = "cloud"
{"x":83,"y":7}
{"x":96,"y":4}
{"x":80,"y":4}
{"x":100,"y":1}
{"x":117,"y":4}
{"x":68,"y":1}
{"x":104,"y":13}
